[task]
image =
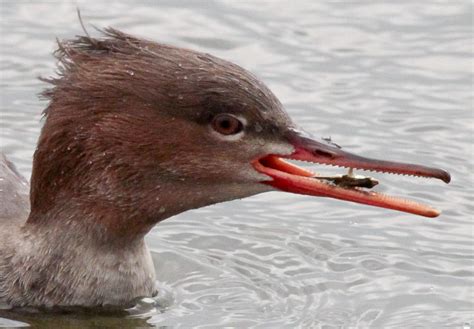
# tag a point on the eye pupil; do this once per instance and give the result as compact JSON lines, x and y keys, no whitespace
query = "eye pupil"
{"x":227,"y":124}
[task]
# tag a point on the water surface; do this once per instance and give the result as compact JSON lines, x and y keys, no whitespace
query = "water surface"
{"x":388,"y":80}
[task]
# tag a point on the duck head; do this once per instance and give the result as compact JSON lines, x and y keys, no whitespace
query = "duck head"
{"x":136,"y":132}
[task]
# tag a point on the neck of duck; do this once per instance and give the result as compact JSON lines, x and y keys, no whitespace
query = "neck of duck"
{"x":90,"y":237}
{"x":107,"y":215}
{"x":110,"y":206}
{"x":113,"y":213}
{"x":94,"y":242}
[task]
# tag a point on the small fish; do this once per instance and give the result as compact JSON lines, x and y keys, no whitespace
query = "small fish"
{"x":330,"y":142}
{"x":350,"y":180}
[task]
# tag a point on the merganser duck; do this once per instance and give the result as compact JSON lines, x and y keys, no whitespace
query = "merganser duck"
{"x":136,"y":132}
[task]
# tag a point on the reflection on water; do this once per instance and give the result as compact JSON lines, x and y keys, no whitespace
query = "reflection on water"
{"x":382,"y":79}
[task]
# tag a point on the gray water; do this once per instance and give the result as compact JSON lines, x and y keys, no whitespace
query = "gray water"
{"x":388,"y":80}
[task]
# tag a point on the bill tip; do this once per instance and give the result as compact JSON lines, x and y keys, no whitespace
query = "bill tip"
{"x":446,"y":177}
{"x":432,"y":213}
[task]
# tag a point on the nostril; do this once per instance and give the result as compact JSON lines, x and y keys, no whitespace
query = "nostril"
{"x":323,"y":153}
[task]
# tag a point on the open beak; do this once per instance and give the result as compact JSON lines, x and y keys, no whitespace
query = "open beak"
{"x":291,"y":178}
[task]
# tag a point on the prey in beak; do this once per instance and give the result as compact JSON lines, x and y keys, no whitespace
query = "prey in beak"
{"x":291,"y":178}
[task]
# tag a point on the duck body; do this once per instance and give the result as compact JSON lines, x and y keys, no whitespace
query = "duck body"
{"x":136,"y":132}
{"x":47,"y":266}
{"x":45,"y":269}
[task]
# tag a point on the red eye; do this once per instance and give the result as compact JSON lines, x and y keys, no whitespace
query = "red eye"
{"x":227,"y":124}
